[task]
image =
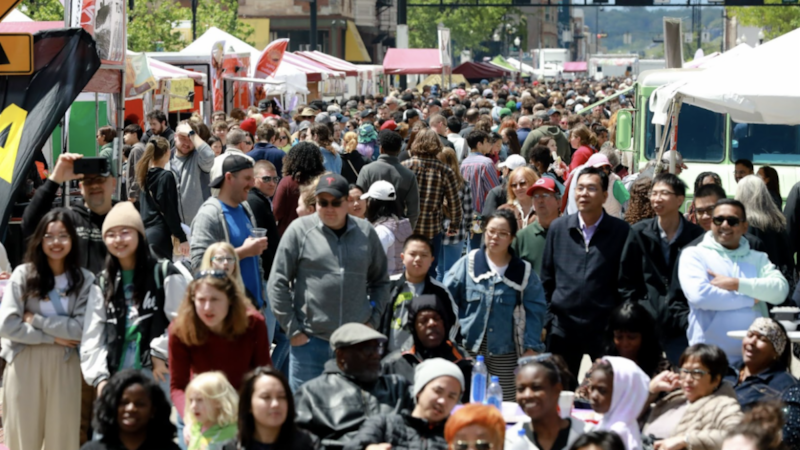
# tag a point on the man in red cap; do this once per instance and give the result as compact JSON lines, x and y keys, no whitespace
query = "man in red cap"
{"x":529,"y":243}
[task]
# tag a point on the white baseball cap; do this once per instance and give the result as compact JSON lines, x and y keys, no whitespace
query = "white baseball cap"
{"x":381,"y":190}
{"x":512,"y":162}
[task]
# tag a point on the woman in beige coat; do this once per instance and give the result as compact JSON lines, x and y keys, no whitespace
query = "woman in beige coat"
{"x":699,"y":414}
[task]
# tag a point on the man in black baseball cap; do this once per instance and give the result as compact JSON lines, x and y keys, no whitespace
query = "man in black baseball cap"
{"x":367,"y":116}
{"x":434,"y":107}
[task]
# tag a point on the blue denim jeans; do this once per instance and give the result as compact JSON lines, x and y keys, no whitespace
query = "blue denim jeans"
{"x":308,"y":361}
{"x":448,"y":255}
{"x":436,"y":243}
{"x":474,"y":242}
{"x":280,"y":355}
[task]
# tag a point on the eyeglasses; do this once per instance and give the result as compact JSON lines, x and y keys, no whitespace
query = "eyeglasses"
{"x":333,"y":203}
{"x":542,"y":195}
{"x":214,"y":273}
{"x":707,"y":211}
{"x":498,"y":233}
{"x":582,"y":189}
{"x":661,"y":194}
{"x":223,"y":259}
{"x":732,"y":220}
{"x":248,"y":142}
{"x":284,"y":137}
{"x":520,"y":184}
{"x":696,"y":374}
{"x":266,"y":179}
{"x":92,"y":181}
{"x":477,"y":445}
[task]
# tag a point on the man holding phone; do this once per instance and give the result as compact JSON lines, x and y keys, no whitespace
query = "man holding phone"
{"x":97,"y":186}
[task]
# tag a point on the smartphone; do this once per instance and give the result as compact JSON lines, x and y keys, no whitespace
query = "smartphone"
{"x":91,"y":166}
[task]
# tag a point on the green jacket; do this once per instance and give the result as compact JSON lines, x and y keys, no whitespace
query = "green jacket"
{"x":107,"y":152}
{"x":550,"y":131}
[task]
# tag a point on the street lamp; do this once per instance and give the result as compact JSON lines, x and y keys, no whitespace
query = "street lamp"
{"x":760,"y":37}
{"x":518,"y":44}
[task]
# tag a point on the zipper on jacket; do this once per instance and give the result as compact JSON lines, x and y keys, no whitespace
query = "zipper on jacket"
{"x":341,"y":282}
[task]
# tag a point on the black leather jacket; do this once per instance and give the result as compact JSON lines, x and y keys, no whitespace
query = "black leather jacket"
{"x":333,"y":406}
{"x":402,"y":431}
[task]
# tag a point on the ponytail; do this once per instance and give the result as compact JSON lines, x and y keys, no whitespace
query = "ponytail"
{"x":154,"y":151}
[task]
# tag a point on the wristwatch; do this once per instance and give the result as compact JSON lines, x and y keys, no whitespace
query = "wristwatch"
{"x":191,"y":133}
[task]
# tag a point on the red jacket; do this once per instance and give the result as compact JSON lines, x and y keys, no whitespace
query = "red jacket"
{"x":234,"y":358}
{"x":580,"y":156}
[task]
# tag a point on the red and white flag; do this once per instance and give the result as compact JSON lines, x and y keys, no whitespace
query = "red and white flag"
{"x":271,"y":58}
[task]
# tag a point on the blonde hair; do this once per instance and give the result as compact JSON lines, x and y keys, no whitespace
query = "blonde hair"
{"x":527,"y":173}
{"x":228,"y":248}
{"x":308,"y":193}
{"x":215,"y":388}
{"x":350,"y":141}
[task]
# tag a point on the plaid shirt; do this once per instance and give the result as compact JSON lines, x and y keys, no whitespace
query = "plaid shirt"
{"x":437,"y":183}
{"x":465,"y":194}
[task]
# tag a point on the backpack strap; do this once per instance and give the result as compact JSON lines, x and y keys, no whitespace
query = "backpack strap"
{"x":164,"y":264}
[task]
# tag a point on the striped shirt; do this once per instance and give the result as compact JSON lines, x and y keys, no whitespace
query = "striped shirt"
{"x":479,"y":172}
{"x":436,"y":183}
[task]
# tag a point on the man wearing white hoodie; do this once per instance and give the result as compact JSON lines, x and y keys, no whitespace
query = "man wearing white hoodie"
{"x":726,"y":283}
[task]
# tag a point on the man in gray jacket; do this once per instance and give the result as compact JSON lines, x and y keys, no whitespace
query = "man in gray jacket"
{"x":191,"y":161}
{"x":388,"y":168}
{"x":337,"y":270}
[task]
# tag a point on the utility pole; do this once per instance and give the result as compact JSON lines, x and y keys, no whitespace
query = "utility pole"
{"x":402,"y":19}
{"x":313,"y":40}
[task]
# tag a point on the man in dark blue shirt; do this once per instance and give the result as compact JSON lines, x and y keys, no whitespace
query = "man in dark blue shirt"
{"x":265,"y":147}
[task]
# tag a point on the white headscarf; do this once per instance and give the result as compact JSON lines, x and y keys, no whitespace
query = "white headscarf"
{"x":630,"y":393}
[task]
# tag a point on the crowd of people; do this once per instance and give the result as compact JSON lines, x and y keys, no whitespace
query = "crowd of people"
{"x":328,"y":278}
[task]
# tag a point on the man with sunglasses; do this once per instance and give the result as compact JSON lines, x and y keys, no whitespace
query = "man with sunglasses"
{"x":726,"y":282}
{"x":650,"y":254}
{"x":265,"y":148}
{"x":329,"y":269}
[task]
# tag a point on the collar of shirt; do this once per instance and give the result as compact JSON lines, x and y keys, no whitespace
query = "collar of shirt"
{"x":591,"y":227}
{"x":663,"y":233}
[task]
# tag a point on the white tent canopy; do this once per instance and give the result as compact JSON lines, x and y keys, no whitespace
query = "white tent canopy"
{"x":17,"y":16}
{"x":525,"y":68}
{"x":296,"y":80}
{"x":755,"y":86}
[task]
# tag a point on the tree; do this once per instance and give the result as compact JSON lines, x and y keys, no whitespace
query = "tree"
{"x":223,"y":14}
{"x":469,"y":27}
{"x":774,"y":20}
{"x":42,"y":10}
{"x":151,"y":26}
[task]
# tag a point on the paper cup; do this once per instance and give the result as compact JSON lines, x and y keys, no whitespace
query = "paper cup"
{"x":258,"y":232}
{"x":565,"y":404}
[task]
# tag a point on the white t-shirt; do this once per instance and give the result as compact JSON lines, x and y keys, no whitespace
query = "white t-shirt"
{"x":386,"y":237}
{"x":46,"y":308}
{"x":498,"y":270}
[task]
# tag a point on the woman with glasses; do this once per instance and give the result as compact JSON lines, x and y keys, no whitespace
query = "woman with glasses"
{"x":267,"y":415}
{"x":216,"y":329}
{"x":284,"y":140}
{"x":695,"y":409}
{"x":701,"y":180}
{"x":500,"y":300}
{"x":222,"y":256}
{"x":41,"y":319}
{"x":475,"y":427}
{"x":764,"y":373}
{"x":519,"y":203}
{"x":159,"y":199}
{"x":127,"y":328}
{"x":539,"y":386}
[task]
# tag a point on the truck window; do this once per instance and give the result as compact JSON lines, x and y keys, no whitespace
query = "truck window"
{"x":766,"y":144}
{"x":701,"y":135}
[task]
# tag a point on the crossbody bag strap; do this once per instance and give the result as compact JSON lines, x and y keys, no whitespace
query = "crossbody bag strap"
{"x":55,"y":299}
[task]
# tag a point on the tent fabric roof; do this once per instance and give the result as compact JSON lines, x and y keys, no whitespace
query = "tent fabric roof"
{"x":576,"y":66}
{"x":331,"y":62}
{"x":164,"y":71}
{"x":501,"y":62}
{"x":313,"y":70}
{"x":475,"y":71}
{"x":412,"y":61}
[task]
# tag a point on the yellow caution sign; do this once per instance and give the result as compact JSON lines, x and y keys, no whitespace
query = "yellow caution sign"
{"x":16,"y":53}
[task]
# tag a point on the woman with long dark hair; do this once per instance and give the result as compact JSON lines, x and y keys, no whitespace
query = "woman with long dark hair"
{"x":302,"y":164}
{"x":41,"y":320}
{"x":631,"y":333}
{"x":321,"y":135}
{"x":127,"y":328}
{"x":770,"y":177}
{"x":392,"y":229}
{"x":132,"y":413}
{"x":159,"y":201}
{"x":267,"y":414}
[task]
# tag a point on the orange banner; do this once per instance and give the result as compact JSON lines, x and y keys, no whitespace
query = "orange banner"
{"x":271,"y":58}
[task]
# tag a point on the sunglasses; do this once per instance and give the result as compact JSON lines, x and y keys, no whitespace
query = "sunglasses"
{"x":248,"y":142}
{"x":214,"y":273}
{"x":333,"y":203}
{"x":732,"y":220}
{"x":477,"y":445}
{"x":223,"y":259}
{"x":266,"y":179}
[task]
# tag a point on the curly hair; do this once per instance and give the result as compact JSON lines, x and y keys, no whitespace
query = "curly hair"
{"x":215,"y":389}
{"x":159,"y":429}
{"x":192,"y":331}
{"x":639,"y":207}
{"x":350,"y":141}
{"x":303,"y":162}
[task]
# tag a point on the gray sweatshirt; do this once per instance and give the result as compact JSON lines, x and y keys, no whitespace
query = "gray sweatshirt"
{"x":192,"y":173}
{"x":16,"y":334}
{"x":334,"y":280}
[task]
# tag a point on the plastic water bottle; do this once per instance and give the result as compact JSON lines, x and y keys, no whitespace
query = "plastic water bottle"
{"x":520,"y":443}
{"x":478,"y":382}
{"x":494,"y":395}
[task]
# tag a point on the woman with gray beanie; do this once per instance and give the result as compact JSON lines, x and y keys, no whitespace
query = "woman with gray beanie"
{"x":438,"y":385}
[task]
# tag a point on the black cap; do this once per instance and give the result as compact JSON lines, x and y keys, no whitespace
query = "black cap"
{"x":334,"y":184}
{"x":366,"y":113}
{"x":407,"y":97}
{"x":264,"y":104}
{"x":228,"y":163}
{"x":434,"y":102}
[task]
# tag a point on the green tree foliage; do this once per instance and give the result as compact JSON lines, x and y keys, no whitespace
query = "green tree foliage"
{"x":775,"y":21}
{"x":468,"y":26}
{"x":222,"y":14}
{"x":42,"y":10}
{"x":150,"y":27}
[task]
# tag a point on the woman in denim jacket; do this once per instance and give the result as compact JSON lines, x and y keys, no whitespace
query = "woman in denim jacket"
{"x":487,"y":285}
